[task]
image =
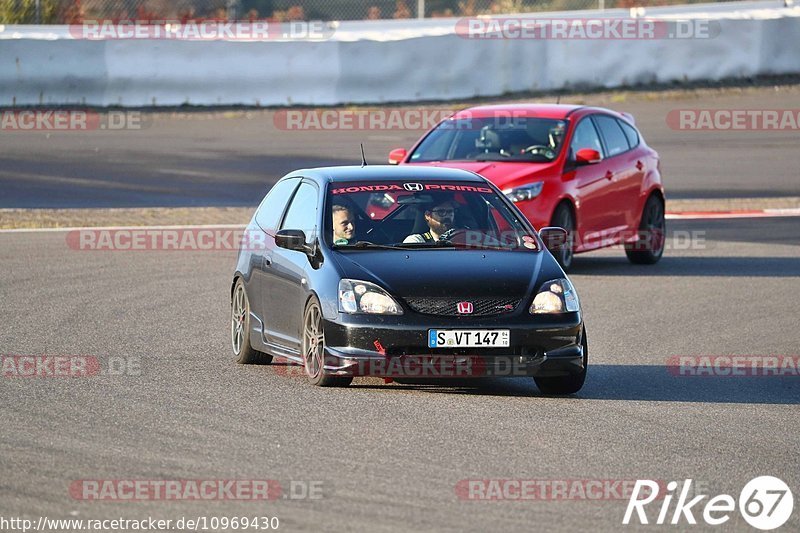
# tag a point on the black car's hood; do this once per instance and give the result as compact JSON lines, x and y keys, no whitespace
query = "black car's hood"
{"x":449,"y":272}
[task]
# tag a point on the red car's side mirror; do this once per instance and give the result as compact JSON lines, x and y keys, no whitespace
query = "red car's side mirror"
{"x":397,"y":155}
{"x":588,"y":156}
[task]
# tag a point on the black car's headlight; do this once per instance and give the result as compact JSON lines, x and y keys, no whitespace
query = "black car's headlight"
{"x":364,"y":297}
{"x":526,"y":192}
{"x":555,"y":296}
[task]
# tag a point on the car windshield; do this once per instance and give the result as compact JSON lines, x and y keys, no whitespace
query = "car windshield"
{"x":422,"y":214}
{"x":521,"y":139}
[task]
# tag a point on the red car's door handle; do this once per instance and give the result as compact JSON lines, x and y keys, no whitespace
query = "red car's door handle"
{"x":639,"y":165}
{"x":609,"y":175}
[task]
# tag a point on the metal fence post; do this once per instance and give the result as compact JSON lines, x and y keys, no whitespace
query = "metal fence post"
{"x":232,"y":9}
{"x":420,"y":9}
{"x":38,"y":12}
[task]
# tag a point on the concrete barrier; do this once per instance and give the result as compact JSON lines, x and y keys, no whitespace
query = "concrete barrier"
{"x":47,"y":66}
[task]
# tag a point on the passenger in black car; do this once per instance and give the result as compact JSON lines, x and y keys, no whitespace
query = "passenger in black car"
{"x":344,"y":225}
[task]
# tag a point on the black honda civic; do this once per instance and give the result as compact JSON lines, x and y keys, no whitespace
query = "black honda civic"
{"x":404,"y":272}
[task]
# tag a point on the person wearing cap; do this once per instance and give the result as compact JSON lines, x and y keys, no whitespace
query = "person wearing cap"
{"x":344,"y":226}
{"x":440,"y":219}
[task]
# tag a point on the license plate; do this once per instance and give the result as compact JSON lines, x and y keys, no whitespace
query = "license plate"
{"x":468,"y":338}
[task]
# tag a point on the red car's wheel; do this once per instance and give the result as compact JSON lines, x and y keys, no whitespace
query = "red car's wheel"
{"x":649,"y":248}
{"x":563,"y":218}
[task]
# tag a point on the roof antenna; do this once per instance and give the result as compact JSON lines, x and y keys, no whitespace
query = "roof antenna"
{"x":363,"y":157}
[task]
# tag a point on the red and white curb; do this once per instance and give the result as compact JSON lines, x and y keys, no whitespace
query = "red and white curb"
{"x":117,"y":228}
{"x":742,"y":213}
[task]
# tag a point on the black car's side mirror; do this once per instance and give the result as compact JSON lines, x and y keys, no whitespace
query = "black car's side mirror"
{"x":553,"y":238}
{"x":292,"y":239}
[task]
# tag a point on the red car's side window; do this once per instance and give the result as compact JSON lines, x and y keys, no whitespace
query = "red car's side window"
{"x":630,"y":133}
{"x":585,"y":136}
{"x":616,"y":141}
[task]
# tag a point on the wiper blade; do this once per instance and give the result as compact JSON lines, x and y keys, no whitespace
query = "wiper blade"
{"x":435,"y":244}
{"x":368,"y":244}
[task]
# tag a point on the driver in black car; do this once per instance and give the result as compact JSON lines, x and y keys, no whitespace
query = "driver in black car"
{"x":440,"y":218}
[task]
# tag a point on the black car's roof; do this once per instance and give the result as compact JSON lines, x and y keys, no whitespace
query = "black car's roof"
{"x":387,"y":173}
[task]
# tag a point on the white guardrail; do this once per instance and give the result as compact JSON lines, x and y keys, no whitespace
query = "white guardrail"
{"x":375,"y":62}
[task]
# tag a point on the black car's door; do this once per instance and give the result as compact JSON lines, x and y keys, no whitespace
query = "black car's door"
{"x":262,"y":247}
{"x":287,"y":290}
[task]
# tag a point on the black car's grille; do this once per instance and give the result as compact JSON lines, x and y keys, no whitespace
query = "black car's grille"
{"x":449,"y":306}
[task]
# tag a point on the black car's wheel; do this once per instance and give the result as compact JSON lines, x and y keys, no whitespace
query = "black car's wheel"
{"x":563,"y":218}
{"x":240,"y":329}
{"x":557,"y":386}
{"x":313,"y":347}
{"x":652,"y":234}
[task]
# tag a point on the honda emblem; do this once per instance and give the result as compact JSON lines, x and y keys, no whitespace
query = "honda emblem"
{"x":465,"y":308}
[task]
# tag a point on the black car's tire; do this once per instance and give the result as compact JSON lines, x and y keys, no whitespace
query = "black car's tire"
{"x":240,"y":329}
{"x":652,"y":233}
{"x":563,"y":385}
{"x":313,"y":349}
{"x":563,"y":218}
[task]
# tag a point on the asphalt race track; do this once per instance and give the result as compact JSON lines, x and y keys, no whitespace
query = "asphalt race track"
{"x":231,"y":158}
{"x":385,"y":457}
{"x":389,"y":457}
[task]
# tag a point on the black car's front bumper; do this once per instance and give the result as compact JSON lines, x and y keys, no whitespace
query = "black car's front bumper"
{"x":397,"y":346}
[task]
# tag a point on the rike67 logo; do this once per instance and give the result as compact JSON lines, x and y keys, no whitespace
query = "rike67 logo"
{"x":765,"y":503}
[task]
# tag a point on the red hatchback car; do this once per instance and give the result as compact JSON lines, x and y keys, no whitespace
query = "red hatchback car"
{"x":585,"y":169}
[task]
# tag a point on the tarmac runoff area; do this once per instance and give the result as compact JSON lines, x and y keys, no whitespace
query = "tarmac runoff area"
{"x":49,"y":219}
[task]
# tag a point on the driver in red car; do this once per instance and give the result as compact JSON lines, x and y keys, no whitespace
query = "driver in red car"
{"x":440,"y":219}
